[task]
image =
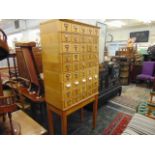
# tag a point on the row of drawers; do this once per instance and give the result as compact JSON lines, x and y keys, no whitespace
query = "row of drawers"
{"x":77,"y":38}
{"x":77,"y":94}
{"x":76,"y":57}
{"x":78,"y":66}
{"x":79,"y":48}
{"x":76,"y":28}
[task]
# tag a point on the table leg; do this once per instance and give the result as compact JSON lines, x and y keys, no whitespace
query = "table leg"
{"x":50,"y":121}
{"x":64,"y":123}
{"x":95,"y":107}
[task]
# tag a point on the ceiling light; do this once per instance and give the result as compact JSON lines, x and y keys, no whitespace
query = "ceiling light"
{"x":115,"y":23}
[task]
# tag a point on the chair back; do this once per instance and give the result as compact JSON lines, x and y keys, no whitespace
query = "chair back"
{"x":148,"y":67}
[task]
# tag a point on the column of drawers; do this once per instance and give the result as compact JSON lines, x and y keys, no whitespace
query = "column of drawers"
{"x":78,"y":55}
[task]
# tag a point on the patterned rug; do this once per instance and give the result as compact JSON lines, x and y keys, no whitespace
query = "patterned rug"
{"x":132,"y":96}
{"x":118,"y":125}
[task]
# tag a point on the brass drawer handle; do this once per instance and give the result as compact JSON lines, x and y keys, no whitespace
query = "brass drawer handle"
{"x":90,"y":78}
{"x":68,"y":85}
{"x":76,"y":82}
{"x":67,"y":47}
{"x":96,"y":76}
{"x":83,"y":80}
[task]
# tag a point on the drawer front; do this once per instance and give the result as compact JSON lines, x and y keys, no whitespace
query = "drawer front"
{"x":83,"y":48}
{"x":68,"y":102}
{"x":76,"y":28}
{"x":89,"y":90}
{"x":67,"y":58}
{"x":66,"y":48}
{"x":66,"y":37}
{"x":76,"y":38}
{"x":89,"y":64}
{"x":76,"y":57}
{"x":89,"y":48}
{"x":83,"y":74}
{"x":90,"y":31}
{"x":76,"y":92}
{"x":76,"y":48}
{"x":67,"y":95}
{"x":95,"y":39}
{"x":96,"y":32}
{"x":76,"y":67}
{"x":67,"y":67}
{"x":82,"y":65}
{"x":89,"y":39}
{"x":83,"y":57}
{"x":83,"y":30}
{"x":95,"y":48}
{"x":66,"y":27}
{"x":67,"y":77}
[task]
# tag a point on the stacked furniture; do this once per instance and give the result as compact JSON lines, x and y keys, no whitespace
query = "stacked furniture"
{"x":140,"y":125}
{"x":70,"y":67}
{"x":109,"y":83}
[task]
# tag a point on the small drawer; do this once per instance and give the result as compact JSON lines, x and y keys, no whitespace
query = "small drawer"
{"x":95,"y":48}
{"x":76,"y":48}
{"x":83,"y":48}
{"x":83,"y":30}
{"x":89,"y":48}
{"x":67,"y":58}
{"x":96,"y":32}
{"x":76,"y":57}
{"x":82,"y":57}
{"x":83,"y":39}
{"x":67,"y":95}
{"x":76,"y":92}
{"x":95,"y":77}
{"x":89,"y":64}
{"x":94,"y":90}
{"x":75,"y":76}
{"x":75,"y":28}
{"x":82,"y":65}
{"x":66,"y":37}
{"x":76,"y":38}
{"x":96,"y":70}
{"x":68,"y":103}
{"x":89,"y":39}
{"x":67,"y":77}
{"x":67,"y":48}
{"x":95,"y":39}
{"x":90,"y":30}
{"x":95,"y":84}
{"x":89,"y":72}
{"x":89,"y":56}
{"x":67,"y":67}
{"x":76,"y":67}
{"x":66,"y":27}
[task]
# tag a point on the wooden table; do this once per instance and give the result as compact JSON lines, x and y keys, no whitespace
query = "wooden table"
{"x":64,"y":113}
{"x":28,"y":125}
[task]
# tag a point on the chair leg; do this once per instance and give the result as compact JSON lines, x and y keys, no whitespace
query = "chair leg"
{"x":11,"y":125}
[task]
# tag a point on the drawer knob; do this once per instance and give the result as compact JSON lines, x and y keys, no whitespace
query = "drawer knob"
{"x":83,"y":80}
{"x":90,"y":78}
{"x":68,"y":85}
{"x":76,"y":82}
{"x":96,"y":76}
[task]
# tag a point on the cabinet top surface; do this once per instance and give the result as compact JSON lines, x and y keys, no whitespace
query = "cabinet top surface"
{"x":70,"y":21}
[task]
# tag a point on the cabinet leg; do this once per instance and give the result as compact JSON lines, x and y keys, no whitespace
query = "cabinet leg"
{"x":50,"y":121}
{"x":64,"y":123}
{"x":95,"y":107}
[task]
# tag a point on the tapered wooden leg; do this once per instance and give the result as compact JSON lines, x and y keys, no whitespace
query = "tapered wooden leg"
{"x":64,"y":123}
{"x":82,"y":114}
{"x":95,"y":107}
{"x":50,"y":121}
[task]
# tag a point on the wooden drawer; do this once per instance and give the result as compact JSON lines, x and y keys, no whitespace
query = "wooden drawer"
{"x":95,"y":48}
{"x":67,"y":58}
{"x":67,"y":67}
{"x":89,"y":39}
{"x":67,"y":77}
{"x":83,"y":57}
{"x":83,"y":92}
{"x":83,"y":30}
{"x":67,"y":95}
{"x":76,"y":57}
{"x":89,"y":64}
{"x":67,"y":103}
{"x":76,"y":67}
{"x":66,"y":27}
{"x":95,"y":39}
{"x":96,"y":32}
{"x":94,"y":90}
{"x":66,"y":48}
{"x":76,"y":38}
{"x":75,"y":76}
{"x":82,"y":65}
{"x":89,"y":90}
{"x":90,"y":31}
{"x":76,"y":48}
{"x":76,"y":92}
{"x":66,"y":37}
{"x":83,"y":48}
{"x":89,"y":48}
{"x":76,"y":28}
{"x":83,"y":74}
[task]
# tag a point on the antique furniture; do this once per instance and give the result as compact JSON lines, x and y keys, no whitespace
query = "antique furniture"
{"x":70,"y":66}
{"x":147,"y":73}
{"x":109,"y":83}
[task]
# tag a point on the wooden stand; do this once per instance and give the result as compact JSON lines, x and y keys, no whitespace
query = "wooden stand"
{"x":69,"y":110}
